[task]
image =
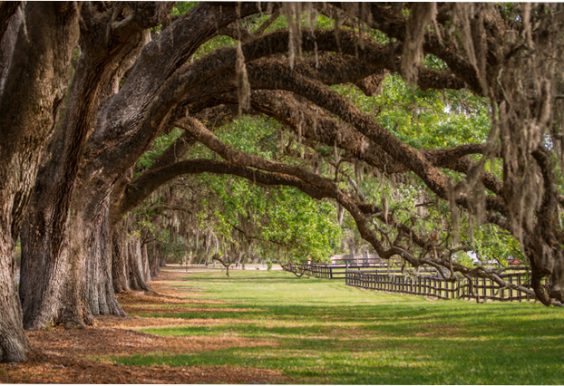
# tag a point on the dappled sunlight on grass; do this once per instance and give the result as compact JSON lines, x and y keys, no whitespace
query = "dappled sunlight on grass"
{"x":329,"y":333}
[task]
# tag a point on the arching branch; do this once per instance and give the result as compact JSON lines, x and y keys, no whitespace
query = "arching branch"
{"x":274,"y":173}
{"x":275,"y":76}
{"x":122,"y":136}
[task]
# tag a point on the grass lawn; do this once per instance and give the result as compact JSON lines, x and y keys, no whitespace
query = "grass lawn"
{"x":325,"y":332}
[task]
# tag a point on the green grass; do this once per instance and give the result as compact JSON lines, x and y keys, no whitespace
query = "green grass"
{"x":326,"y":332}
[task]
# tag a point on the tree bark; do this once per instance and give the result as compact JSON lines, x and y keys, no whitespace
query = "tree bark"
{"x":79,"y":277}
{"x":13,"y":343}
{"x":132,"y":268}
{"x":136,"y":258}
{"x":99,"y":279}
{"x":32,"y":85}
{"x":120,"y":266}
{"x":49,"y":231}
{"x":62,"y":235}
{"x":156,"y":258}
{"x":62,"y":200}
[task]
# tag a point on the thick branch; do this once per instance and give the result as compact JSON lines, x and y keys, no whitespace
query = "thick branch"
{"x":274,"y":76}
{"x":122,"y":136}
{"x":313,"y":185}
{"x":150,"y":181}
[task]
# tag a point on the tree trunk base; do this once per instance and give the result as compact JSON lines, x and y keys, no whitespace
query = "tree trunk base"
{"x":13,"y":348}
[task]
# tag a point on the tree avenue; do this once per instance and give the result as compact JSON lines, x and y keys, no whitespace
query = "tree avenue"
{"x":135,"y":131}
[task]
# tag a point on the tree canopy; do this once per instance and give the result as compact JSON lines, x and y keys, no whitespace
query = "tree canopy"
{"x":288,"y":131}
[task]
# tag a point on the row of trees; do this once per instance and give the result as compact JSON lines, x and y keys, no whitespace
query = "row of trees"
{"x":87,"y":88}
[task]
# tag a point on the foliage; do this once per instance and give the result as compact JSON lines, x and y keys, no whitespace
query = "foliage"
{"x":182,"y":7}
{"x":289,"y":226}
{"x":159,"y":145}
{"x":307,"y":229}
{"x":174,"y":248}
{"x":424,"y":119}
{"x":432,"y":119}
{"x":282,"y":223}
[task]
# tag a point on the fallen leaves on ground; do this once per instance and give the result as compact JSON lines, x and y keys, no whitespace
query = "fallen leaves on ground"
{"x":68,"y":355}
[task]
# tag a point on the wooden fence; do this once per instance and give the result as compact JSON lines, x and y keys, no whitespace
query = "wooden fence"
{"x":357,"y":261}
{"x":324,"y":271}
{"x":481,"y":289}
{"x":338,"y":271}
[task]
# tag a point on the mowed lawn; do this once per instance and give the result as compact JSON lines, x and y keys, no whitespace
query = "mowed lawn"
{"x":325,"y":332}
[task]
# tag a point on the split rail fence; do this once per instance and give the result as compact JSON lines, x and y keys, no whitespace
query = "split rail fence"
{"x":325,"y":271}
{"x":480,"y":289}
{"x":426,"y":282}
{"x":339,"y":271}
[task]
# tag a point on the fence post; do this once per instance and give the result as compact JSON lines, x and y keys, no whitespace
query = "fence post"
{"x":519,"y":284}
{"x":511,"y":290}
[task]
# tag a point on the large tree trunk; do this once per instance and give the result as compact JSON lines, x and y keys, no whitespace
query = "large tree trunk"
{"x":42,"y":278}
{"x":89,"y":288}
{"x":556,"y":289}
{"x":13,"y":343}
{"x":99,"y":283}
{"x":36,"y":52}
{"x":93,"y":134}
{"x":51,"y":230}
{"x":134,"y":262}
{"x":541,"y":241}
{"x":146,"y":263}
{"x":156,"y":258}
{"x":77,"y":281}
{"x":138,"y":265}
{"x":120,"y":267}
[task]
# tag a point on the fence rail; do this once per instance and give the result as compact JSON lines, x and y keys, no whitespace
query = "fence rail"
{"x":426,"y":281}
{"x":481,"y":289}
{"x":338,"y":271}
{"x":324,"y":271}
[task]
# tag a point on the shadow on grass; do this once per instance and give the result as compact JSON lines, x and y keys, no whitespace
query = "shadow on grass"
{"x":384,"y":361}
{"x":384,"y":344}
{"x":323,"y":333}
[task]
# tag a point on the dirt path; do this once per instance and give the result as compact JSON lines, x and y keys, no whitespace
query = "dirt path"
{"x":73,"y":355}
